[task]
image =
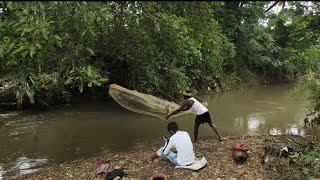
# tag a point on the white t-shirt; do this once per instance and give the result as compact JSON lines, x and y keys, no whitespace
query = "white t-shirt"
{"x":182,"y":142}
{"x":198,"y":107}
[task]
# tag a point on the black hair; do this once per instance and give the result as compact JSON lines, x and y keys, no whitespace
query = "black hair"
{"x":173,"y":126}
{"x":186,"y":97}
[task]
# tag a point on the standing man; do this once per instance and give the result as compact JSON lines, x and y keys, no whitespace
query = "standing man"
{"x":202,"y":112}
{"x":181,"y":141}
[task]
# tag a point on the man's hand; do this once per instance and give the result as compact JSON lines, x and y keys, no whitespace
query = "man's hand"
{"x":168,"y":114}
{"x":174,"y":150}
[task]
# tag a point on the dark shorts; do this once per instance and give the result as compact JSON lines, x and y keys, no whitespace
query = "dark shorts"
{"x":202,"y":118}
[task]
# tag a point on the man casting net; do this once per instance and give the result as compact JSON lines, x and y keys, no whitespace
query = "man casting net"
{"x":143,"y":103}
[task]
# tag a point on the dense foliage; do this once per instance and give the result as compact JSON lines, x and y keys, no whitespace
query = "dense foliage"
{"x":49,"y":51}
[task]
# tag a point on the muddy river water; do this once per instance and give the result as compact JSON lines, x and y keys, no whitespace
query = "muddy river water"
{"x":32,"y":139}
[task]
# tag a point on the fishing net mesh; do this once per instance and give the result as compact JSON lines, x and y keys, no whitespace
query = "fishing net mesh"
{"x":143,"y":103}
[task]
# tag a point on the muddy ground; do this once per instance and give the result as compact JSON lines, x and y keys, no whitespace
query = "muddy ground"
{"x":218,"y":154}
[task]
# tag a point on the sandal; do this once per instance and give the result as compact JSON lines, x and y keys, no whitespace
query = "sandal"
{"x":103,"y":170}
{"x":103,"y":160}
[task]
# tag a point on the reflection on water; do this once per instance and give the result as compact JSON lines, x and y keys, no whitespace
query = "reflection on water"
{"x":238,"y":122}
{"x":291,"y":130}
{"x":275,"y":131}
{"x":23,"y":165}
{"x":264,"y":109}
{"x":295,"y":131}
{"x":26,"y":165}
{"x":1,"y":172}
{"x":254,"y":122}
{"x":32,"y":139}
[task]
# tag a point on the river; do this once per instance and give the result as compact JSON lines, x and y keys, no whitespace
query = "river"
{"x":35,"y":138}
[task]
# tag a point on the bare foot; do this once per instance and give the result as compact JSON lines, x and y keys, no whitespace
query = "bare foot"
{"x":149,"y":159}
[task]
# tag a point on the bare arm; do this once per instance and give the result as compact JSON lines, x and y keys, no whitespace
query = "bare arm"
{"x":184,"y":107}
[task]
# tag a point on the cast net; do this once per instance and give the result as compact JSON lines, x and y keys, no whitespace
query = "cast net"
{"x":143,"y":103}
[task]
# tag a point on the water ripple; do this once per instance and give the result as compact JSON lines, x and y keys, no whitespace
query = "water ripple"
{"x":26,"y":165}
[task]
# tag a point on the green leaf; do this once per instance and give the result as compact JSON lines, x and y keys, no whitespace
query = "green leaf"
{"x":103,"y":79}
{"x":24,"y":54}
{"x":88,"y":71}
{"x":81,"y":86}
{"x":69,"y":80}
{"x":91,"y":31}
{"x":59,"y":43}
{"x":83,"y":33}
{"x":57,"y":37}
{"x":90,"y":84}
{"x":295,"y":19}
{"x":272,"y":22}
{"x":77,"y":51}
{"x":96,"y":83}
{"x":32,"y":51}
{"x":3,"y":24}
{"x":18,"y":50}
{"x":91,"y":51}
{"x":38,"y":45}
{"x":45,"y":35}
{"x":10,"y":47}
{"x":41,"y":6}
{"x":9,"y":5}
{"x":103,"y":9}
{"x":176,"y":25}
{"x":78,"y":4}
{"x":1,"y":52}
{"x":31,"y":79}
{"x":98,"y":19}
{"x":158,"y":26}
{"x":137,"y":21}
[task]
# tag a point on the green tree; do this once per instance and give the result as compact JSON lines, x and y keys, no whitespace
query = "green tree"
{"x":296,"y":30}
{"x":255,"y":48}
{"x":42,"y":42}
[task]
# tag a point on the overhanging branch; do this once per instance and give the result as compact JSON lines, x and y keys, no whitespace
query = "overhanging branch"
{"x":275,"y":3}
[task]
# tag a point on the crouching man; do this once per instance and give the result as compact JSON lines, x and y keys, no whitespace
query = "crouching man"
{"x":181,"y":141}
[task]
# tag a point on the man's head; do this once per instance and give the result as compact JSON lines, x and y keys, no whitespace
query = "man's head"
{"x":187,"y":94}
{"x":172,"y":127}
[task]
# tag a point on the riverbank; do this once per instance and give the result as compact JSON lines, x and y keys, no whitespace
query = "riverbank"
{"x":263,"y":162}
{"x":8,"y":101}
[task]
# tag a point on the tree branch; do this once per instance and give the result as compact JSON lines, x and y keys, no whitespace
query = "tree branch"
{"x":275,"y":3}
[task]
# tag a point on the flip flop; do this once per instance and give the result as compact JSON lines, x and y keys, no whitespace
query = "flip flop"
{"x":104,"y":169}
{"x":103,"y":160}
